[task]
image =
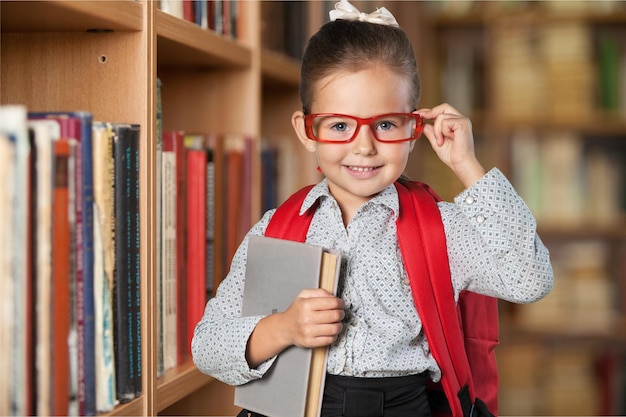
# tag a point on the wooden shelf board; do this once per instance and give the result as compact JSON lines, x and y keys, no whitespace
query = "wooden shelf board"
{"x":185,"y":44}
{"x":178,"y":383}
{"x":71,"y":16}
{"x":133,"y":408}
{"x":279,"y":69}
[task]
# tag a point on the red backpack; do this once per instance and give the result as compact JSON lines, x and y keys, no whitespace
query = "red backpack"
{"x":462,"y":337}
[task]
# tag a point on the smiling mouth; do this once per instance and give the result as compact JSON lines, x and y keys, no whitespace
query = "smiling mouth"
{"x":361,"y":169}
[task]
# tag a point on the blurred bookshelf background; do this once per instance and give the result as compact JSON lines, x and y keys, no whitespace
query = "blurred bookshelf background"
{"x":544,"y":83}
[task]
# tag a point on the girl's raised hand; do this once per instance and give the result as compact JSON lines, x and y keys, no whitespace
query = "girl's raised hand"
{"x":451,"y":137}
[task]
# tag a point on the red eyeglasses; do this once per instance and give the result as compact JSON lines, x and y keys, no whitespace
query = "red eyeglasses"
{"x":343,"y":128}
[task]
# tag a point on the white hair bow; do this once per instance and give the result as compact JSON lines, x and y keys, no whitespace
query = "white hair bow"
{"x":345,"y":10}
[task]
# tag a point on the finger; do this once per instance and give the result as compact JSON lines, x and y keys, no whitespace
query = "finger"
{"x":314,"y":292}
{"x":325,"y":303}
{"x":429,"y":132}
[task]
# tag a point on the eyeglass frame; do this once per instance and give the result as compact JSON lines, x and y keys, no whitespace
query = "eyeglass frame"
{"x":308,"y":126}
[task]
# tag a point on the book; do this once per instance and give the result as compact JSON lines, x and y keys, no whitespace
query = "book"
{"x":237,"y":158}
{"x":174,"y":141}
{"x":127,"y":296}
{"x":13,"y":126}
{"x":160,"y":360}
{"x":211,"y":149}
{"x":195,"y":298}
{"x":168,"y":258}
{"x":7,"y":172}
{"x":43,"y":133}
{"x":276,"y":271}
{"x":104,"y":264}
{"x":62,"y":280}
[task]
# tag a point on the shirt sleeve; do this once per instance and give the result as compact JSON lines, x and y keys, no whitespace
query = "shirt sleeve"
{"x":219,"y":343}
{"x":493,"y":246}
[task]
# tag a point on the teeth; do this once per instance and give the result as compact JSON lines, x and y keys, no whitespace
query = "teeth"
{"x":361,"y":169}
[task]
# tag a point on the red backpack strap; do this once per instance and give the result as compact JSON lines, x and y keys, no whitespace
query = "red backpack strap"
{"x":425,"y":255}
{"x":287,"y":223}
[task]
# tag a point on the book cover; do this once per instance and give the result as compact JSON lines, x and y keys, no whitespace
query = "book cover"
{"x":104,"y":264}
{"x":276,"y":271}
{"x":126,"y":288}
{"x":196,"y":240}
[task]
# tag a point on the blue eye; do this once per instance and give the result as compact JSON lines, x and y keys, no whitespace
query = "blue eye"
{"x":340,"y":127}
{"x":385,"y":125}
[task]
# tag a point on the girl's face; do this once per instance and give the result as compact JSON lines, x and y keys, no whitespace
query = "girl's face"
{"x":358,"y":170}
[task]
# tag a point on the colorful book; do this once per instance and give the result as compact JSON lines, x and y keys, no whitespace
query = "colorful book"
{"x":62,"y":272}
{"x":7,"y":241}
{"x":196,"y":238}
{"x":126,"y":288}
{"x":104,"y":264}
{"x":13,"y":126}
{"x":43,"y":134}
{"x":174,"y":141}
{"x":168,"y":258}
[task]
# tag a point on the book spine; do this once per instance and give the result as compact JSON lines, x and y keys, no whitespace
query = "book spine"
{"x":168,"y":259}
{"x":196,"y":239}
{"x":104,"y":261}
{"x":86,"y":289}
{"x":210,"y":220}
{"x":42,"y":261}
{"x":126,"y":288}
{"x":61,"y":279}
{"x":136,"y":253}
{"x":181,"y":246}
{"x":159,"y":229}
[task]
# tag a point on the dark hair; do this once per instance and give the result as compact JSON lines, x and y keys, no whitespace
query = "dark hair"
{"x":351,"y":45}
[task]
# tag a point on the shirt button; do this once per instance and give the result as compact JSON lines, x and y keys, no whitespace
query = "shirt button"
{"x":406,"y":281}
{"x":470,"y":199}
{"x":480,"y":219}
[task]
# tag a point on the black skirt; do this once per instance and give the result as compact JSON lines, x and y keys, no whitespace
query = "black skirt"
{"x":376,"y":397}
{"x":346,"y":396}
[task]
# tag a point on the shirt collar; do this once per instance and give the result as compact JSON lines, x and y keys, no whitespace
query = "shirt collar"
{"x":387,"y":197}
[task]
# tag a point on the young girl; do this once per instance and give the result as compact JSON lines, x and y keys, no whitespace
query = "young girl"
{"x":360,"y":90}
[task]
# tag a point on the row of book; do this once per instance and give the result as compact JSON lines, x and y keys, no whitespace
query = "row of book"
{"x":564,"y":70}
{"x":204,"y":209}
{"x":465,"y":8}
{"x":219,"y":16}
{"x":70,"y":270}
{"x":186,"y":237}
{"x":284,"y":24}
{"x":569,"y":180}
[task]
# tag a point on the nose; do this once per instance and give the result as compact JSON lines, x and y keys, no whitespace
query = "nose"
{"x":365,"y":142}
